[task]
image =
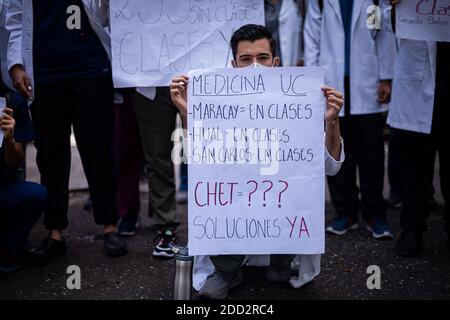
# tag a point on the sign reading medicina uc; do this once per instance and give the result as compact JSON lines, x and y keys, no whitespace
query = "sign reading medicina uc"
{"x":256,"y":161}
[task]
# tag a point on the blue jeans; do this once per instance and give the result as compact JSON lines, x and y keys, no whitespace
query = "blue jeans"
{"x":21,"y":204}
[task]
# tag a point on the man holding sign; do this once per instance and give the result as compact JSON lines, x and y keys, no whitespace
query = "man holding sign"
{"x":253,"y":46}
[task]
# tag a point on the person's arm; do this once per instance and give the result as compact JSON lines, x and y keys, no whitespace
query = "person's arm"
{"x":104,"y":13}
{"x":14,"y":152}
{"x":388,"y":14}
{"x":17,"y":72}
{"x":332,"y":130}
{"x":386,"y":52}
{"x":178,"y":94}
{"x":311,"y":34}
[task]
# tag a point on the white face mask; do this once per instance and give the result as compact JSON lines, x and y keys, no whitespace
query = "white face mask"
{"x":257,"y":65}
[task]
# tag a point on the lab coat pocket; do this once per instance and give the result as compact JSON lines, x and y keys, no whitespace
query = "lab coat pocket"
{"x":369,"y":69}
{"x":411,"y":61}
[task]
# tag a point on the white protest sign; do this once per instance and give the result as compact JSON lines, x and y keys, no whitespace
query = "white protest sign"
{"x":2,"y":108}
{"x":256,"y":161}
{"x":427,"y":20}
{"x":154,"y":40}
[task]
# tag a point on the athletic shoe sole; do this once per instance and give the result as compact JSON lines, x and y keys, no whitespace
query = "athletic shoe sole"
{"x":163,"y":254}
{"x":127,"y":234}
{"x":340,"y":233}
{"x":383,"y":236}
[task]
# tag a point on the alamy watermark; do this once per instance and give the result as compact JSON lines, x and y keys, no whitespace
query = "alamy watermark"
{"x":250,"y":146}
{"x":74,"y":280}
{"x":373,"y":17}
{"x":374,"y":280}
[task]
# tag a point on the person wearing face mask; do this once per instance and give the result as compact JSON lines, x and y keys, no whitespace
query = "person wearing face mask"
{"x":254,"y":46}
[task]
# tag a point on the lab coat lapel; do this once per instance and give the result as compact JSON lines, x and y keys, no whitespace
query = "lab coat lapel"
{"x":337,"y":9}
{"x":356,"y":13}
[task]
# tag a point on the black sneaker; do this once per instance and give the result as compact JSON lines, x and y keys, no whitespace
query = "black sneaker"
{"x":164,"y":243}
{"x":409,"y":244}
{"x":114,"y":246}
{"x":49,"y":251}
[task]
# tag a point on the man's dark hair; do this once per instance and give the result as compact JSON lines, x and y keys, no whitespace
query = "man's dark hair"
{"x":252,"y":32}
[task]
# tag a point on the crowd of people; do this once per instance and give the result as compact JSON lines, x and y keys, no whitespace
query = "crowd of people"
{"x":56,"y":80}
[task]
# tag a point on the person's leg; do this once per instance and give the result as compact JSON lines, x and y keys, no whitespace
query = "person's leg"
{"x":92,"y":114}
{"x":51,"y":123}
{"x":181,"y":195}
{"x":21,"y":204}
{"x":129,"y":158}
{"x":227,"y":263}
{"x":393,"y":169}
{"x":156,"y":119}
{"x":342,"y":186}
{"x":343,"y":189}
{"x":440,"y":133}
{"x":184,"y":177}
{"x":444,"y":175}
{"x":416,"y":154}
{"x":280,"y":268}
{"x":227,"y":275}
{"x":369,"y":154}
{"x":91,"y":110}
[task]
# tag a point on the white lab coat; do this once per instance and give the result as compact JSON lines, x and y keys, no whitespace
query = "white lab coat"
{"x":371,"y":58}
{"x":308,"y":265}
{"x":4,"y":37}
{"x":289,"y":27}
{"x":414,"y":82}
{"x":19,"y":23}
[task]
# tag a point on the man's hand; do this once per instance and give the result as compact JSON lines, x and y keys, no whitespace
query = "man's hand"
{"x":394,"y":2}
{"x":178,"y":93}
{"x":332,"y":131}
{"x":21,"y":81}
{"x":14,"y":152}
{"x":334,"y":104}
{"x":7,"y":124}
{"x":384,"y":91}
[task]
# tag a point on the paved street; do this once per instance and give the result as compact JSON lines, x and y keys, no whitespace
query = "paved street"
{"x":140,"y":276}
